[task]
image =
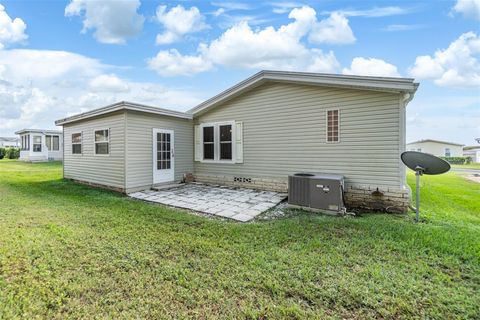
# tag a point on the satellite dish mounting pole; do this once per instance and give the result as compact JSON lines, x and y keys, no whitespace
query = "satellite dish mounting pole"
{"x":423,"y":163}
{"x":418,"y":172}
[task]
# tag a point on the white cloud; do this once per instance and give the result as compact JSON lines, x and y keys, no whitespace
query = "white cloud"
{"x":179,"y":22}
{"x":375,"y":12}
{"x":39,"y":86}
{"x":243,"y":47}
{"x":11,"y":31}
{"x":233,"y":5}
{"x":334,"y":30}
{"x":321,"y":62}
{"x":455,"y":127}
{"x":43,"y":66}
{"x":172,"y":63}
{"x":402,"y":27}
{"x":371,"y":67}
{"x":281,"y":7}
{"x":113,"y":21}
{"x":108,"y":83}
{"x":218,"y":12}
{"x":456,"y":66}
{"x":240,"y":46}
{"x":469,"y":8}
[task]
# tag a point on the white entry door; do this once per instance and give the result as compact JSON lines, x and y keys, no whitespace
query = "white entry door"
{"x":163,"y":156}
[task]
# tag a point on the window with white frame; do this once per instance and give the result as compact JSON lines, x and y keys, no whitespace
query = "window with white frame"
{"x":24,"y":142}
{"x":208,"y":143}
{"x":52,"y":142}
{"x":218,"y":141}
{"x":447,"y":152}
{"x":102,"y":141}
{"x":333,"y":125}
{"x":37,"y":143}
{"x":77,"y":143}
{"x":226,"y":143}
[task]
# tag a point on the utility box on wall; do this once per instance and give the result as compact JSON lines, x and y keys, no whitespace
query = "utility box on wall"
{"x":316,"y":191}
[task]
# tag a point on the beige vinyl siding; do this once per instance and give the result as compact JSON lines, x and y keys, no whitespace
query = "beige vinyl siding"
{"x":101,"y":169}
{"x":284,"y":131}
{"x":139,"y":161}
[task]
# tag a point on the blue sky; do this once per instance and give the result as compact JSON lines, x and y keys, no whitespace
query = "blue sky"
{"x":59,"y":58}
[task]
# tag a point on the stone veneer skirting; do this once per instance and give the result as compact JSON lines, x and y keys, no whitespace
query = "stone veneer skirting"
{"x":394,"y":200}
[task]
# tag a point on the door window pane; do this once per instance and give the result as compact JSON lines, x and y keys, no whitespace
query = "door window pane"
{"x":164,"y":152}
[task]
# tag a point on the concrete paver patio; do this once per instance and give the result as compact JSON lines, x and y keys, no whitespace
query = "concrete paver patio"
{"x":240,"y":204}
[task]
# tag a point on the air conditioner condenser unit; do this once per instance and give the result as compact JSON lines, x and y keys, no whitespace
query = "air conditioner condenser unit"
{"x":317,"y":191}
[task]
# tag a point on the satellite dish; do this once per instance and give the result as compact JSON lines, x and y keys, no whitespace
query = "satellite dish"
{"x":423,"y":163}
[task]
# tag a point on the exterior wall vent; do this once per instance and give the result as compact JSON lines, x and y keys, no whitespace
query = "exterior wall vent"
{"x":242,"y":179}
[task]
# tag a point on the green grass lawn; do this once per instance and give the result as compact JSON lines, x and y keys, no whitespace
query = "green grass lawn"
{"x":70,"y":251}
{"x":472,"y":165}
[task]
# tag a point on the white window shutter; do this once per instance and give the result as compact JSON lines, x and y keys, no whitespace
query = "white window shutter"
{"x":238,"y":142}
{"x":198,"y":144}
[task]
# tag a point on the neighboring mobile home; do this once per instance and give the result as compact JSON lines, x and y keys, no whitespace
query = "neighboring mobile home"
{"x":6,"y":142}
{"x":437,"y":148}
{"x":40,"y":145}
{"x":254,"y":134}
{"x":473,"y":152}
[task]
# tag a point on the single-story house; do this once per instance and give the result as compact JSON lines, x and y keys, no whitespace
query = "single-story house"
{"x":9,"y":142}
{"x":254,"y":134}
{"x":437,"y":148}
{"x":473,"y":152}
{"x":40,"y":145}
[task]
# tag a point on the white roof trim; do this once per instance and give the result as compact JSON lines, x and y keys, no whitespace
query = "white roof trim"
{"x":123,"y":105}
{"x":436,"y":141}
{"x":45,"y":131}
{"x":406,"y":85}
